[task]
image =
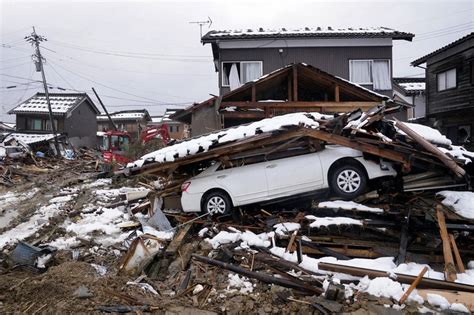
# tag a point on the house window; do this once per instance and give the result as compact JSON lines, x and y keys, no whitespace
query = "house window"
{"x":371,"y":72}
{"x":40,"y":124}
{"x":446,"y":80}
{"x":234,"y":74}
{"x":171,"y":128}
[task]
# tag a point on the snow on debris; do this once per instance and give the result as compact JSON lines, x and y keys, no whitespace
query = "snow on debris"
{"x":386,"y":287}
{"x":202,"y":144}
{"x":241,"y":284}
{"x":248,"y":239}
{"x":348,"y":205}
{"x":442,"y":303}
{"x":462,"y":202}
{"x":38,"y":220}
{"x":30,"y":138}
{"x":285,"y":228}
{"x":327,"y":221}
{"x":428,"y":133}
{"x":459,"y":153}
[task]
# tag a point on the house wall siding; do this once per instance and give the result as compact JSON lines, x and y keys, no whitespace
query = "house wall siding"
{"x":81,"y":126}
{"x":205,"y":120}
{"x":461,"y":97}
{"x":334,"y":60}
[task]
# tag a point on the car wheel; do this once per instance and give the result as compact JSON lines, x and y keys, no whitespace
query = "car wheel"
{"x":348,"y":181}
{"x":217,"y":203}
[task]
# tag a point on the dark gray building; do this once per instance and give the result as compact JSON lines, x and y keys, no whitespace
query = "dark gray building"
{"x":132,"y":121}
{"x":450,"y":88}
{"x":74,"y":115}
{"x":361,"y":55}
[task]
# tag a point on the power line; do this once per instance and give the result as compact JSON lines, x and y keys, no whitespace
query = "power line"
{"x":16,"y":65}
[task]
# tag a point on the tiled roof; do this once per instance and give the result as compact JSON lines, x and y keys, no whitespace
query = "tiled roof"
{"x":126,"y":115}
{"x":437,"y":51}
{"x":60,"y":103}
{"x":315,"y":32}
{"x":411,"y":85}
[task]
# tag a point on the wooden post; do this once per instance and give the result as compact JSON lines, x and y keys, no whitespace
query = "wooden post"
{"x":336,"y":93}
{"x":449,"y":269}
{"x":290,"y":98}
{"x":456,"y":253}
{"x":291,"y":242}
{"x":413,"y":285}
{"x":254,"y":93}
{"x":295,"y":84}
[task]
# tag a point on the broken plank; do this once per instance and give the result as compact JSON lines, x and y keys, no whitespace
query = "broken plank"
{"x":176,"y":242}
{"x":449,"y":269}
{"x":456,"y":254}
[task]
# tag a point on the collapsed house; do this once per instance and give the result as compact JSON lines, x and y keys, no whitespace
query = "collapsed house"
{"x":294,"y":88}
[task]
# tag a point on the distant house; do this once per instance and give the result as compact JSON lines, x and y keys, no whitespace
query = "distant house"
{"x":361,"y":55}
{"x":74,"y":115}
{"x":132,"y":121}
{"x":412,"y":92}
{"x":450,"y":88}
{"x":294,"y":88}
{"x":177,"y":129}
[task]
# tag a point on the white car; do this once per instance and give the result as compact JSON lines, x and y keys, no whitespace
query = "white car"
{"x":343,"y":170}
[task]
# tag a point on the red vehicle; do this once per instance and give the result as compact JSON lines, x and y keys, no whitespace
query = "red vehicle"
{"x":115,"y":143}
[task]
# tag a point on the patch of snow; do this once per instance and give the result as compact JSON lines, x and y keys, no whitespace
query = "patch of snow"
{"x":243,"y":285}
{"x":198,"y":288}
{"x":459,"y":153}
{"x":248,"y":239}
{"x":41,"y":261}
{"x":101,"y":270}
{"x":462,"y":202}
{"x":286,"y":227}
{"x":327,"y":221}
{"x":348,"y":205}
{"x":203,"y":231}
{"x":428,"y":133}
{"x":386,"y":287}
{"x":63,"y":243}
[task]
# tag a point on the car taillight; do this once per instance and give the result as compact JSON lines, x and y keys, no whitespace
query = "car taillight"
{"x":185,"y":186}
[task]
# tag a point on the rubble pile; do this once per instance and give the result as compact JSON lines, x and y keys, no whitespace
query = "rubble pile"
{"x":121,"y":244}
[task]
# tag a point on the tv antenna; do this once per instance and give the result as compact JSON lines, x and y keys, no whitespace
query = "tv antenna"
{"x":201,"y":23}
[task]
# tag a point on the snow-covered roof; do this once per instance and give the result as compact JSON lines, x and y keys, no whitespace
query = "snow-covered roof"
{"x":315,"y":32}
{"x":60,"y":103}
{"x":202,"y":144}
{"x":415,"y":86}
{"x":125,"y":115}
{"x":156,"y":119}
{"x":7,"y":126}
{"x":30,"y":138}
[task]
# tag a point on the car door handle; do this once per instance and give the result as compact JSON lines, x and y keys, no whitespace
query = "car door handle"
{"x":221,"y":176}
{"x":271,"y":166}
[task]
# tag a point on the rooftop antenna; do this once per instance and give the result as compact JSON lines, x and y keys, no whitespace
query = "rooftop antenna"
{"x":201,"y":23}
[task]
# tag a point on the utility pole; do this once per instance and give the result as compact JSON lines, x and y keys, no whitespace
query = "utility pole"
{"x":35,"y":39}
{"x":105,"y":109}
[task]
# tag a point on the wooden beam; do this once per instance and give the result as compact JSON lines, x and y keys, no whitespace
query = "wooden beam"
{"x":295,"y":83}
{"x":294,"y":104}
{"x":336,"y":93}
{"x":449,"y":269}
{"x":413,"y":285}
{"x":456,"y":254}
{"x":449,"y":162}
{"x":254,"y":93}
{"x":290,"y":96}
{"x":402,"y":278}
{"x":364,"y":147}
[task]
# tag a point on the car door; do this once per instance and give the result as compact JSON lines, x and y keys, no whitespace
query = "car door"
{"x":246,"y":184}
{"x":289,"y":176}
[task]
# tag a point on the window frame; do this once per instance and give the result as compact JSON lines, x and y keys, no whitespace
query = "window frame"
{"x":371,"y":61}
{"x":445,"y":80}
{"x":240,"y":69}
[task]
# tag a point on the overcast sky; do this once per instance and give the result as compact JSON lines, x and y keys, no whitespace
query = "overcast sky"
{"x":146,"y":54}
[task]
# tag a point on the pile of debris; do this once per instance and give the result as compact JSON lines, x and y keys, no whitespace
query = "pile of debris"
{"x":119,"y":245}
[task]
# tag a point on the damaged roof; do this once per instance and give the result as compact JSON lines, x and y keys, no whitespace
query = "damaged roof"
{"x":411,"y":85}
{"x":307,"y":32}
{"x":61,"y":103}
